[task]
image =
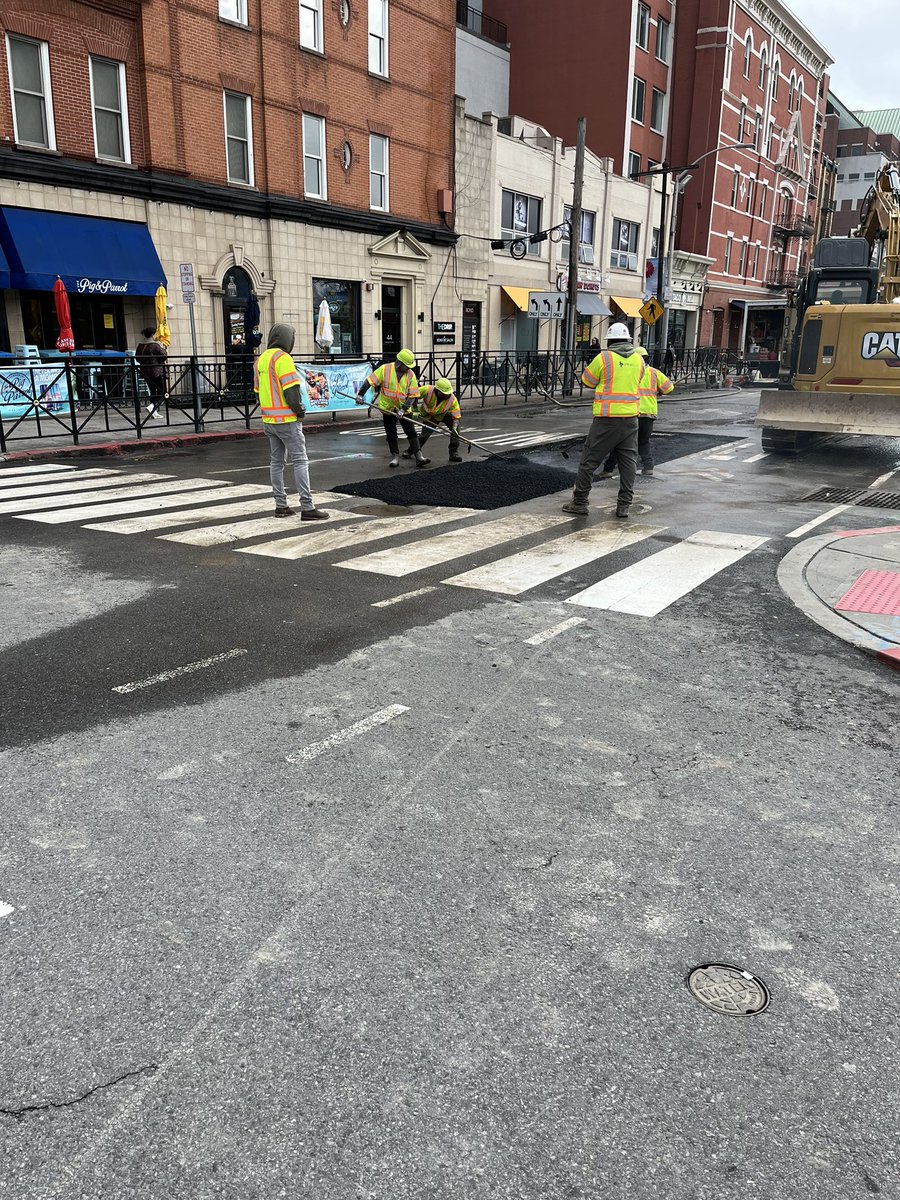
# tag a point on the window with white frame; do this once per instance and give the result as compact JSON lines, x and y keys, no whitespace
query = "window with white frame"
{"x":238,"y":138}
{"x":315,"y":183}
{"x":748,"y":199}
{"x":642,"y":33}
{"x":755,"y":273}
{"x":379,"y":148}
{"x":763,"y":196}
{"x":757,"y":131}
{"x":634,"y":164}
{"x":29,"y":83}
{"x":776,"y":75}
{"x":638,"y":98}
{"x":799,"y":101}
{"x":585,"y":242}
{"x":110,"y":107}
{"x":791,"y":87}
{"x":763,"y":60}
{"x":742,"y":121}
{"x":233,"y":10}
{"x":735,"y":186}
{"x":662,"y":40}
{"x":311,"y":25}
{"x":742,"y":261}
{"x":726,"y":263}
{"x":625,"y":238}
{"x":658,"y":111}
{"x":748,"y":54}
{"x":378,"y":37}
{"x":520,"y":217}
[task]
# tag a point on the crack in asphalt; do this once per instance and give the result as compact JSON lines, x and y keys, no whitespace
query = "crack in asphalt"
{"x":18,"y":1113}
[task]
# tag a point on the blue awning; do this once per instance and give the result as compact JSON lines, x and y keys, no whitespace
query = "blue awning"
{"x":4,"y":270}
{"x":94,"y":256}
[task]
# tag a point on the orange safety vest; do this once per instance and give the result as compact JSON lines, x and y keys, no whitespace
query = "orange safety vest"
{"x":616,"y":382}
{"x":393,"y":391}
{"x":437,"y":406}
{"x":273,"y":371}
{"x":654,"y":384}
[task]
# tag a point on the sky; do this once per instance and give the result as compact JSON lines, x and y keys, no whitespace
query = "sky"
{"x":859,"y":36}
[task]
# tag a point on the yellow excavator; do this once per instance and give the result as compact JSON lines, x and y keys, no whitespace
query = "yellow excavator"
{"x":841,"y":370}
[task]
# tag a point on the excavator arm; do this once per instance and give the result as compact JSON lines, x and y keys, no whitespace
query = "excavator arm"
{"x":880,"y":226}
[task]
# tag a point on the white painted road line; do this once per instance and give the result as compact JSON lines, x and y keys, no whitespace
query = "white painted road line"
{"x":525,"y":570}
{"x":882,"y":479}
{"x":55,"y":480}
{"x":458,"y":543}
{"x":329,"y":540}
{"x":6,"y":909}
{"x":540,"y":638}
{"x":59,"y":489}
{"x":819,"y":520}
{"x":240,"y":531}
{"x":101,"y":497}
{"x":125,"y":508}
{"x":756,"y":458}
{"x":651,"y":585}
{"x":35,"y":469}
{"x":406,"y":596}
{"x":200,"y":516}
{"x":188,"y":669}
{"x":308,"y":753}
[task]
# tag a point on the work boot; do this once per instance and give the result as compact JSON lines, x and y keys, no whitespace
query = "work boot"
{"x":455,"y":457}
{"x":395,"y":461}
{"x":622,"y":509}
{"x":313,"y":514}
{"x":422,"y":461}
{"x":647,"y":469}
{"x":284,"y":512}
{"x":578,"y":507}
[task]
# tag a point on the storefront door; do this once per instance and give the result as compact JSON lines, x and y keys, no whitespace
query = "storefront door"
{"x":391,"y":320}
{"x":235,"y":297}
{"x":471,"y":336}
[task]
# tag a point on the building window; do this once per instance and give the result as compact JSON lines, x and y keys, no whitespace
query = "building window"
{"x":29,"y":82}
{"x":748,"y":53}
{"x":756,"y":261}
{"x":638,"y":96}
{"x":657,"y":111}
{"x":625,"y":238}
{"x":662,"y":40}
{"x":757,"y":131}
{"x":799,"y":94}
{"x":868,"y":175}
{"x":233,"y":10}
{"x":378,"y":172}
{"x":856,"y":149}
{"x":735,"y":186}
{"x":311,"y":25}
{"x":853,"y":177}
{"x":520,"y":216}
{"x":776,"y":75}
{"x":110,"y":106}
{"x":643,"y":26}
{"x":634,"y":165}
{"x":343,"y":297}
{"x":742,"y":261}
{"x":238,"y":138}
{"x":586,"y":241}
{"x":791,"y":86}
{"x":315,"y":184}
{"x":742,"y":121}
{"x":763,"y":60}
{"x":763,"y":192}
{"x":378,"y":37}
{"x":748,"y":199}
{"x":726,"y":265}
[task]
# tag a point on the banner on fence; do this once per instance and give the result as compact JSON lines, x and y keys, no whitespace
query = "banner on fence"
{"x":322,"y":384}
{"x":32,"y":391}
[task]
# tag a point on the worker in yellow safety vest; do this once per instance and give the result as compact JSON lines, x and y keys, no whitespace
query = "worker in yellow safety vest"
{"x":276,"y":381}
{"x":396,"y":387}
{"x":655,"y":384}
{"x":438,"y":405}
{"x":615,"y":375}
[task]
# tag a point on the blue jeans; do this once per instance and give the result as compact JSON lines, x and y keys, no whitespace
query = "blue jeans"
{"x":285,"y":440}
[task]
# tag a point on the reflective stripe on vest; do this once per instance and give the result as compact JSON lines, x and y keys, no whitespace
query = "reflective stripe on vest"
{"x":654,"y":384}
{"x":437,"y":405}
{"x":273,"y":407}
{"x":618,"y":392}
{"x":392,"y":389}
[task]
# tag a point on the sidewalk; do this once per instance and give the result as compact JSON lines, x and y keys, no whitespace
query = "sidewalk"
{"x":849,"y":583}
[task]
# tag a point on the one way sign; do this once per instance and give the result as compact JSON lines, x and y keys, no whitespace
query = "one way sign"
{"x":546,"y":306}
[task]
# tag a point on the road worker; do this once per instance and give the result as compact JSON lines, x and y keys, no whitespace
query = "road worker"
{"x":276,"y":381}
{"x":395,"y":386}
{"x":438,"y":405}
{"x":654,"y":385}
{"x":615,"y":375}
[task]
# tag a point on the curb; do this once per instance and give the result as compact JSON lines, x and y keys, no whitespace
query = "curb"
{"x":792,"y":580}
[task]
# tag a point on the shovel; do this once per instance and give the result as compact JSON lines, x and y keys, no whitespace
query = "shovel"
{"x":425,"y":425}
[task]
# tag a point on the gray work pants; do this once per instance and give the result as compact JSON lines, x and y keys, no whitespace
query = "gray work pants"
{"x":608,"y":434}
{"x":288,"y":440}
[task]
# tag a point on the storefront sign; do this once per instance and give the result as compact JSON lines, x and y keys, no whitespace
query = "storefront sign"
{"x":444,"y":327}
{"x":101,"y":287}
{"x":29,"y":392}
{"x":444,"y":339}
{"x":330,"y":387}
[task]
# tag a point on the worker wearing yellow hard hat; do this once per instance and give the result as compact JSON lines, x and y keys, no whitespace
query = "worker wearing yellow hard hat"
{"x":438,"y":405}
{"x":396,"y":388}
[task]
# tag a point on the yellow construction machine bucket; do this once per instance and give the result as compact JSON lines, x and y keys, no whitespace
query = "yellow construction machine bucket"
{"x":830,"y":412}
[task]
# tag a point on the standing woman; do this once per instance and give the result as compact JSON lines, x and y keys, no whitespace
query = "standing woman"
{"x":396,"y":387}
{"x":151,"y":361}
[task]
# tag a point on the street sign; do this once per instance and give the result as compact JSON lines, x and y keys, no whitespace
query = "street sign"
{"x":189,"y":297}
{"x":546,"y":306}
{"x":652,"y":310}
{"x":188,"y":287}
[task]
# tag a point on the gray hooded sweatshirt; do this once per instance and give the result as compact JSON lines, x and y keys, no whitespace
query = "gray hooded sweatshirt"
{"x":281,"y":337}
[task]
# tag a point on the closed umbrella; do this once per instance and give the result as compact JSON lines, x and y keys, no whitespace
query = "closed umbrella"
{"x":66,"y":340}
{"x":162,"y":335}
{"x":252,"y":336}
{"x":324,"y":331}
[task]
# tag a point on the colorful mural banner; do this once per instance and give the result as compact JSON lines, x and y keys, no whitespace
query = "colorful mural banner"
{"x":330,"y":387}
{"x":32,"y":391}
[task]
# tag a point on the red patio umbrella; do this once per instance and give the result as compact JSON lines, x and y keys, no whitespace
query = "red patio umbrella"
{"x":66,"y":339}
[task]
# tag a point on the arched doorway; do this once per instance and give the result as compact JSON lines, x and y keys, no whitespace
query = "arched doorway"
{"x":236,"y":289}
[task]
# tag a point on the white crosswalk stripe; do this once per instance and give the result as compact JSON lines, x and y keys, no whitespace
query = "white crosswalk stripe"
{"x":458,"y":543}
{"x":51,"y":491}
{"x":529,"y":568}
{"x":62,"y":500}
{"x":328,"y":540}
{"x":651,"y":585}
{"x":37,"y":469}
{"x":241,"y":531}
{"x":54,"y":479}
{"x":201,"y":516}
{"x":152,"y":503}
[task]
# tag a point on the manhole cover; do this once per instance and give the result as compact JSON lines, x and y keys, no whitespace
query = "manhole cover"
{"x":880,"y":500}
{"x":833,"y":495}
{"x":728,"y":990}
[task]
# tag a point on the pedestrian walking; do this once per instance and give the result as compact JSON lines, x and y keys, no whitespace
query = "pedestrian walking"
{"x":151,"y":362}
{"x":654,"y":384}
{"x":395,"y":386}
{"x":615,"y":375}
{"x":276,"y":380}
{"x":438,"y":405}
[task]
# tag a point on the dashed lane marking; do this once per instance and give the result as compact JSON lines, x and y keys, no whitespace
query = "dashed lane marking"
{"x":423,"y":591}
{"x":819,"y":520}
{"x":188,"y":669}
{"x":308,"y":753}
{"x":539,"y":638}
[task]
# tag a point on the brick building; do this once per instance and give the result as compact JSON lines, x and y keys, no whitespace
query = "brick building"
{"x":861,"y":152}
{"x":284,"y":148}
{"x":747,"y":71}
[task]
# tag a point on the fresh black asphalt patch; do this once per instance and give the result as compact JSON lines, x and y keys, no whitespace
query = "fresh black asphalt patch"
{"x":500,"y":482}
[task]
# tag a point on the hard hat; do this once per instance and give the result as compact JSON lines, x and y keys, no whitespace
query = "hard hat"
{"x":618,"y":332}
{"x":641,"y":350}
{"x":406,"y":358}
{"x":444,"y":386}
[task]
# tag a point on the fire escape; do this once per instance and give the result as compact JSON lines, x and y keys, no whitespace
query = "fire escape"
{"x":788,"y":225}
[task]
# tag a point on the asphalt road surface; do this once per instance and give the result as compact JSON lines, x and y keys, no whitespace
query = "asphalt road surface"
{"x":368,"y":859}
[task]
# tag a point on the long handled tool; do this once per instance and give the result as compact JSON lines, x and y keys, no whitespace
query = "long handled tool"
{"x":425,"y":425}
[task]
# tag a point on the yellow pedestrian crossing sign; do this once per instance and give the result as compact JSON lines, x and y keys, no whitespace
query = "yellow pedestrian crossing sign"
{"x":652,"y":310}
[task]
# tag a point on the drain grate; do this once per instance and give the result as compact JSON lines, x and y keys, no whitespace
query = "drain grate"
{"x":880,"y":500}
{"x":834,"y":495}
{"x":727,"y":990}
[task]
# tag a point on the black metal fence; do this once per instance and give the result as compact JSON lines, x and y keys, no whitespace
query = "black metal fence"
{"x":75,"y":400}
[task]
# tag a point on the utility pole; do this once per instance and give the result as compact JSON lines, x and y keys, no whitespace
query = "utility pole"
{"x":661,"y":249}
{"x":574,"y":246}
